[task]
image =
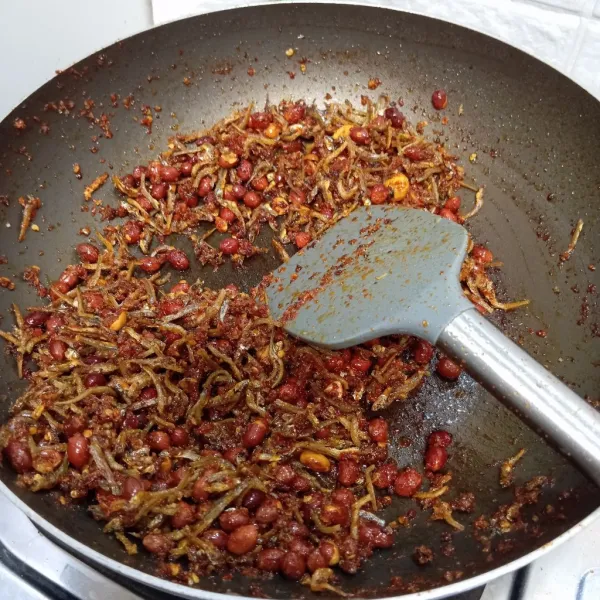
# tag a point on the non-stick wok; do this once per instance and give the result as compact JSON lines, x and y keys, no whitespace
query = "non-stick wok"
{"x":535,"y":135}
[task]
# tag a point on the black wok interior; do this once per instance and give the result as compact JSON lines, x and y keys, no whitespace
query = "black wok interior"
{"x":535,"y":134}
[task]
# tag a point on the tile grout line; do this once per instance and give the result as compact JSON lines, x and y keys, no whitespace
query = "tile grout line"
{"x":551,"y":8}
{"x":150,"y":9}
{"x":585,"y":16}
{"x":575,"y":48}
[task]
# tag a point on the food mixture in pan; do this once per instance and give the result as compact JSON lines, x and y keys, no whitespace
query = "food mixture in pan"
{"x":192,"y":426}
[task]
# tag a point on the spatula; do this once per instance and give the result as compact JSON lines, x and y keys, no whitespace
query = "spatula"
{"x":388,"y":270}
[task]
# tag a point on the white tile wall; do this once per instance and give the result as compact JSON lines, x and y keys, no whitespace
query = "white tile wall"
{"x":544,"y":33}
{"x":40,"y":36}
{"x":577,"y":6}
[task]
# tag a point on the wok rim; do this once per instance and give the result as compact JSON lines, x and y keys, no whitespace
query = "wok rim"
{"x":193,"y":593}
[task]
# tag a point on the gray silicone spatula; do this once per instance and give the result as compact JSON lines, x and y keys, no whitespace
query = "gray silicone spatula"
{"x":386,"y":270}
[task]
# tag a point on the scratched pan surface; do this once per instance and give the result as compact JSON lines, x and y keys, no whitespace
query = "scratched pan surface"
{"x":536,"y":138}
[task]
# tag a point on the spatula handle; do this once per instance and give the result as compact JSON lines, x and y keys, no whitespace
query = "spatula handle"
{"x":514,"y":377}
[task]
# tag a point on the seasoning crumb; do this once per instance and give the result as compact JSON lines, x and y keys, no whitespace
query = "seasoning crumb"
{"x":223,"y":70}
{"x":303,"y":68}
{"x":473,"y":157}
{"x":30,"y":207}
{"x":507,"y":467}
{"x":19,"y":124}
{"x":374,"y":83}
{"x":566,"y":255}
{"x":85,"y":231}
{"x":290,"y":52}
{"x":421,"y":126}
{"x":187,"y":81}
{"x":251,"y":71}
{"x":423,"y":555}
{"x":592,"y":267}
{"x":35,"y":227}
{"x":95,"y":185}
{"x":147,"y":119}
{"x":6,"y":283}
{"x":461,"y":110}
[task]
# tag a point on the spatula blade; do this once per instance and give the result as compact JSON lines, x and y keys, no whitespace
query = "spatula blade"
{"x":381,"y":270}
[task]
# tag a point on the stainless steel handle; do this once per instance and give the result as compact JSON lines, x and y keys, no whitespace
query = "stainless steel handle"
{"x":514,"y":377}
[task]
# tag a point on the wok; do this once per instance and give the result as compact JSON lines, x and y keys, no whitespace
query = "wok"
{"x":535,"y":134}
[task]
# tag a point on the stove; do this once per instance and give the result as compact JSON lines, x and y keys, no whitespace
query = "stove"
{"x":33,"y":567}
